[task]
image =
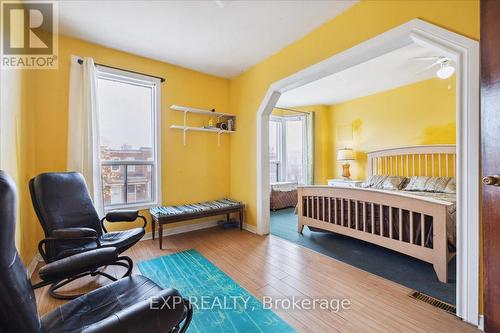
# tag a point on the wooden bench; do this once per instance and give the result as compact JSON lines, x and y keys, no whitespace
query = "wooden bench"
{"x":171,"y":214}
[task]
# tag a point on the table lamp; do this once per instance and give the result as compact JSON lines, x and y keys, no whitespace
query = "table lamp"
{"x":345,"y":155}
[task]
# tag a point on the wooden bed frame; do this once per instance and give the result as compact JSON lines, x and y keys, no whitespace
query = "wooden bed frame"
{"x":353,"y":211}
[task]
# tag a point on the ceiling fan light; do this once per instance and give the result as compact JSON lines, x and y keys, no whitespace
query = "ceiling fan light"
{"x":445,"y":72}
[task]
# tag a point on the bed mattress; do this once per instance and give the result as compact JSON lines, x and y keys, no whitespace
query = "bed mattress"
{"x":451,"y":216}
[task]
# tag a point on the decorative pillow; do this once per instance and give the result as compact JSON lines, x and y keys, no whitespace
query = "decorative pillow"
{"x":394,"y":183}
{"x":451,"y":187}
{"x":437,"y":184}
{"x":417,"y":183}
{"x":374,"y":181}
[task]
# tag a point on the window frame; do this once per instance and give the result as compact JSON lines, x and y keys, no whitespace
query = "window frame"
{"x":114,"y":74}
{"x":279,"y":146}
{"x":282,"y":164}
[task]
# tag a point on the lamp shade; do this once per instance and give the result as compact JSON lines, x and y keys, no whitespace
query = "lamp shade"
{"x":346,"y":154}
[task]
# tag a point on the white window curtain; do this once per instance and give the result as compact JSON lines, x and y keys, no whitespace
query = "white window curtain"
{"x":83,"y":127}
{"x":310,"y":148}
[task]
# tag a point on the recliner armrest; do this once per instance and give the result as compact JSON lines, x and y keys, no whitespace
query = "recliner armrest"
{"x":78,"y":263}
{"x":158,"y":314}
{"x":68,"y":233}
{"x":122,"y":216}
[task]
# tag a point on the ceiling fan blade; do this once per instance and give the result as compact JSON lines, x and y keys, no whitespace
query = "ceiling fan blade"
{"x":427,"y":68}
{"x":437,"y":62}
{"x":431,"y":65}
{"x":422,"y":71}
{"x":426,"y":58}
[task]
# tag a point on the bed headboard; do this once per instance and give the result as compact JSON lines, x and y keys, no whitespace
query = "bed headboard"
{"x":431,"y":160}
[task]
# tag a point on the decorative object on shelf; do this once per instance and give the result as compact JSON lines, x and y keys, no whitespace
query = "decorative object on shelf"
{"x":222,"y":126}
{"x":345,"y":155}
{"x":222,"y":118}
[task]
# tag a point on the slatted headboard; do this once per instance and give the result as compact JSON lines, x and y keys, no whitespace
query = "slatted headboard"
{"x":431,"y":160}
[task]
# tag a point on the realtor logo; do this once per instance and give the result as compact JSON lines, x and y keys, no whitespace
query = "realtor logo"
{"x":29,"y":34}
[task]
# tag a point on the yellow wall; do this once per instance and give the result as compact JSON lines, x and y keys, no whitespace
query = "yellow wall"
{"x":364,"y":20}
{"x":416,"y":114}
{"x":201,"y":170}
{"x":14,"y":145}
{"x":195,"y":172}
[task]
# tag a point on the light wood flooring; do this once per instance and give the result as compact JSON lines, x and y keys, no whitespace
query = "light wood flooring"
{"x":271,"y":266}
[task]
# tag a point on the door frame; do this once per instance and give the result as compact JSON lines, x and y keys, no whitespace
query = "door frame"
{"x":465,"y":53}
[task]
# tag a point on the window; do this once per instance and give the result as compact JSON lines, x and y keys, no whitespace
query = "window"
{"x":295,"y":158}
{"x":115,"y":167}
{"x":288,"y":146}
{"x":274,"y":152}
{"x":128,"y":131}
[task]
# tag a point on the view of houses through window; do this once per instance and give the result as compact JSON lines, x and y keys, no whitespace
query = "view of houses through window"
{"x":136,"y":178}
{"x":127,"y":111}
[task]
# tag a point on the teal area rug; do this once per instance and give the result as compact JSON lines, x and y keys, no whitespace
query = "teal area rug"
{"x":219,"y":303}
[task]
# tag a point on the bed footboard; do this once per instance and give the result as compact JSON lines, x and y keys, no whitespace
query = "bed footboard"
{"x":403,"y":223}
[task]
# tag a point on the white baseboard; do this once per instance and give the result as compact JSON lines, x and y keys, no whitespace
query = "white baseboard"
{"x":249,"y":227}
{"x":481,"y":322}
{"x":182,"y":229}
{"x":192,"y":227}
{"x":34,"y":262}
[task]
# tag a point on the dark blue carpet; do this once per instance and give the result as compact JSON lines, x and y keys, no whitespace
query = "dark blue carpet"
{"x":389,"y":264}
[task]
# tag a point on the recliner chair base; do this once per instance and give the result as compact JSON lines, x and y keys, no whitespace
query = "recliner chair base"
{"x":187,"y":319}
{"x":128,"y":264}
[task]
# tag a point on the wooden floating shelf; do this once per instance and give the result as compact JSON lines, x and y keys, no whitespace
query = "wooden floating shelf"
{"x":200,"y":111}
{"x":201,"y":129}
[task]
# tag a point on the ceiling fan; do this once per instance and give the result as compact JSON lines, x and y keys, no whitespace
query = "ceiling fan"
{"x":445,"y":69}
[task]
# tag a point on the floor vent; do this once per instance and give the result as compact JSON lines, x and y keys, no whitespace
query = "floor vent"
{"x":434,"y":302}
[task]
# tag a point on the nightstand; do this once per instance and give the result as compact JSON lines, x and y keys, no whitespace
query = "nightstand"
{"x":344,"y":182}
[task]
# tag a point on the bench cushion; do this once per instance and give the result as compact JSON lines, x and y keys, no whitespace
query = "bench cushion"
{"x":164,"y":211}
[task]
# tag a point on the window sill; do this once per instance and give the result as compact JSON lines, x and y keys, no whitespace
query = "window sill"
{"x":139,"y":206}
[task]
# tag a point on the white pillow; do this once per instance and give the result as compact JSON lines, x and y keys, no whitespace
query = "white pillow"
{"x":451,"y":187}
{"x":437,"y":184}
{"x":417,"y":183}
{"x":394,"y":183}
{"x":374,"y":181}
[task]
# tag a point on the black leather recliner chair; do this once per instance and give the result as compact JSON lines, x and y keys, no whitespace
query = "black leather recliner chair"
{"x":122,"y":306}
{"x":71,"y":224}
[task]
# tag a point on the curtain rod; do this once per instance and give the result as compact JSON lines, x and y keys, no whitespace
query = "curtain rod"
{"x":80,"y":61}
{"x":292,"y":110}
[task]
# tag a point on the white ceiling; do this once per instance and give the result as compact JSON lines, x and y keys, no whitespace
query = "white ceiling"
{"x":389,"y":71}
{"x":222,"y":38}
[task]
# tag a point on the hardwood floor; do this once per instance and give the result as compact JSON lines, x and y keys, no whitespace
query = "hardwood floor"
{"x":271,"y":266}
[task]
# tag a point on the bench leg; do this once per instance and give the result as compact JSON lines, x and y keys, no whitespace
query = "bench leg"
{"x":153,"y":227}
{"x":241,"y":219}
{"x":160,"y":234}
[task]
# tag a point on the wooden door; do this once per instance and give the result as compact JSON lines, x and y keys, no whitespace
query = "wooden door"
{"x":490,"y":114}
